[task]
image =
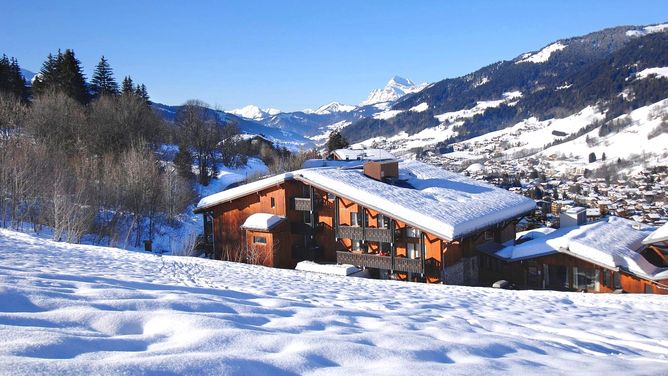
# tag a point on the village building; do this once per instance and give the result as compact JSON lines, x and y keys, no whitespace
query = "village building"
{"x":611,"y":255}
{"x":402,"y":220}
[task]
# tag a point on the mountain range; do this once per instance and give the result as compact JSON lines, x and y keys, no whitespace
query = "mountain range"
{"x":613,"y":71}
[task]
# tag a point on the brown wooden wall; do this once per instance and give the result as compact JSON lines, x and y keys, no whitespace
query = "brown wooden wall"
{"x":516,"y":272}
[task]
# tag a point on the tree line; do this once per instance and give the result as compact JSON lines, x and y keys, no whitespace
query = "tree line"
{"x":84,"y":158}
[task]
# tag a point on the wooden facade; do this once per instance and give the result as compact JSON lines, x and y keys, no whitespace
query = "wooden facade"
{"x":563,"y":272}
{"x":322,"y":227}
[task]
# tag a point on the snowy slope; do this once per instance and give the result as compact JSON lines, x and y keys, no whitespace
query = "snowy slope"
{"x":72,"y":309}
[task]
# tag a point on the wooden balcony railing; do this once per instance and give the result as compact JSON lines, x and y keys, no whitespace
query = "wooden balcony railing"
{"x":350,"y":232}
{"x":302,"y":204}
{"x":363,"y":259}
{"x":378,"y":235}
{"x":401,"y":264}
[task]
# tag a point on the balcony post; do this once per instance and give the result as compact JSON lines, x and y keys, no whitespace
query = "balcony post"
{"x":423,"y":252}
{"x":392,"y":247}
{"x":362,"y":211}
{"x":336,"y":218}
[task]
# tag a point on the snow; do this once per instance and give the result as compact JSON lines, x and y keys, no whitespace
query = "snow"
{"x":254,"y":112}
{"x":420,"y":107}
{"x":660,"y":235}
{"x":648,"y":30}
{"x":479,"y":108}
{"x":351,"y":154}
{"x":612,"y":242}
{"x":543,"y":55}
{"x":262,"y":221}
{"x":332,"y":269}
{"x":73,"y":309}
{"x":443,"y":203}
{"x":333,"y":107}
{"x":661,"y":72}
{"x":242,"y":190}
{"x":396,"y":88}
{"x":389,"y":114}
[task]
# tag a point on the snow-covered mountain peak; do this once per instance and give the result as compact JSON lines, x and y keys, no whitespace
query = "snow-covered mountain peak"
{"x":396,"y":88}
{"x":334,"y":107}
{"x":254,"y":112}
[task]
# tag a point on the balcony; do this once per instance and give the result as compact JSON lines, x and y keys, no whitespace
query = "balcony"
{"x":363,"y":259}
{"x":383,"y":235}
{"x":350,"y":232}
{"x":303,"y":204}
{"x":401,"y":264}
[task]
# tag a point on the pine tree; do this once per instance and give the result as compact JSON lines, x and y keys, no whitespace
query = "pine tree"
{"x":142,"y":93}
{"x":184,"y":162}
{"x":11,"y":78}
{"x":71,"y":79}
{"x":48,"y":76}
{"x":103,"y":82}
{"x":336,"y":141}
{"x":128,"y":87}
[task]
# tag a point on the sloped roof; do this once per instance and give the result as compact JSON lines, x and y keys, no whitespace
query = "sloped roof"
{"x":660,"y":235}
{"x":441,"y":202}
{"x":613,"y":242}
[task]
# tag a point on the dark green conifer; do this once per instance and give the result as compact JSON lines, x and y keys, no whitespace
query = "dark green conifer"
{"x":103,"y":82}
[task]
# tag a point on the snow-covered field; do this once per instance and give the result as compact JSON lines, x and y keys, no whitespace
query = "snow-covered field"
{"x":74,"y":309}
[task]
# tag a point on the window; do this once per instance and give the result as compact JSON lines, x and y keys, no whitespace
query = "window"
{"x":412,"y":232}
{"x":383,"y":221}
{"x":488,"y":235}
{"x":356,"y":219}
{"x":385,"y":249}
{"x":357,"y":245}
{"x":273,"y":202}
{"x":585,"y":279}
{"x":648,"y":289}
{"x":413,"y":251}
{"x":259,"y":240}
{"x":617,"y":277}
{"x":607,"y":281}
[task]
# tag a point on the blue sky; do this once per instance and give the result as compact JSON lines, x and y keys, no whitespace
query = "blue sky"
{"x":297,"y":54}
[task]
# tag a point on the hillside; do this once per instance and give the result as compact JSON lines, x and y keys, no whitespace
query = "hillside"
{"x":616,"y":70}
{"x":74,"y":309}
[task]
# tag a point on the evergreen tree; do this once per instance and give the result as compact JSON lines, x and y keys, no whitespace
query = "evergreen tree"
{"x":48,"y":76}
{"x":71,"y":79}
{"x":11,"y":78}
{"x":103,"y":82}
{"x":336,"y":141}
{"x":128,"y":87}
{"x":142,"y":93}
{"x":184,"y":162}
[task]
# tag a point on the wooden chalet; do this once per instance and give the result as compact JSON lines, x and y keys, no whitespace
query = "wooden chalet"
{"x":610,"y":255}
{"x":402,"y":220}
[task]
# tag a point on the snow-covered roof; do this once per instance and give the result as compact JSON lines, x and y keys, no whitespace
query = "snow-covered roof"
{"x":262,"y":221}
{"x":660,"y":235}
{"x":443,"y":203}
{"x":242,"y":190}
{"x":613,"y":242}
{"x":364,"y":154}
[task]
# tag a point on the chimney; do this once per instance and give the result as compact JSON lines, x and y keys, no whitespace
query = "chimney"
{"x":380,"y":170}
{"x":575,"y":216}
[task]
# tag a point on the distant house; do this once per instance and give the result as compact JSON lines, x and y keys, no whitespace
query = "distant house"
{"x":351,"y":154}
{"x":604,"y":256}
{"x":402,"y":220}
